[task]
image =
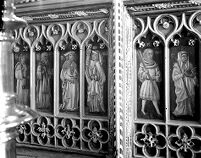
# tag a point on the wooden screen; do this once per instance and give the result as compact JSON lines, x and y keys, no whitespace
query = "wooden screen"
{"x":63,"y":69}
{"x":166,"y":79}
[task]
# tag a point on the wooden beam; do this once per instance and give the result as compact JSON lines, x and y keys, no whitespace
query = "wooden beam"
{"x":57,"y":6}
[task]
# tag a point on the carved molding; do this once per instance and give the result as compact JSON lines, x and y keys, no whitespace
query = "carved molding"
{"x":128,"y":90}
{"x":143,"y":8}
{"x":26,"y":1}
{"x":68,"y":15}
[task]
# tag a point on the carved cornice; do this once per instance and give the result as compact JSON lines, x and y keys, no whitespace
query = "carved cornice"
{"x":68,"y":15}
{"x":135,"y":8}
{"x":26,"y":1}
{"x":59,"y":1}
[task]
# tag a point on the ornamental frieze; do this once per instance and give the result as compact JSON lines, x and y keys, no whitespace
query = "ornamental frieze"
{"x":68,"y":15}
{"x":142,"y":8}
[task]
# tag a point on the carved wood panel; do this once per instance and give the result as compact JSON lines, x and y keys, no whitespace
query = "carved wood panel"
{"x":67,"y":67}
{"x":166,"y":73}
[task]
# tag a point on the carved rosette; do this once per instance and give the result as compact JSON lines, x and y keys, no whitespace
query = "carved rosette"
{"x":43,"y":131}
{"x":185,"y":142}
{"x":95,"y":136}
{"x":80,"y":31}
{"x":20,"y":47}
{"x":24,"y":133}
{"x":150,"y":140}
{"x":165,"y":25}
{"x":43,"y":45}
{"x":31,"y":33}
{"x":68,"y":133}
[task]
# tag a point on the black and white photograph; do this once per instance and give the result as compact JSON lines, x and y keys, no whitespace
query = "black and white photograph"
{"x":100,"y":79}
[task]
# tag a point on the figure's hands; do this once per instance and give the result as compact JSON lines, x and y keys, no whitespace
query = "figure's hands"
{"x":145,"y":76}
{"x":190,"y":73}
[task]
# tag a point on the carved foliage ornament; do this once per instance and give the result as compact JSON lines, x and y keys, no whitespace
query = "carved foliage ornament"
{"x":68,"y":132}
{"x":20,"y":46}
{"x":177,"y":41}
{"x":95,"y":135}
{"x":197,"y":2}
{"x":68,"y":44}
{"x":67,"y":15}
{"x":142,"y":44}
{"x":185,"y":142}
{"x":43,"y":130}
{"x":24,"y":131}
{"x":81,"y":31}
{"x":165,"y":22}
{"x":163,"y":5}
{"x":43,"y":45}
{"x":150,"y":140}
{"x":31,"y":32}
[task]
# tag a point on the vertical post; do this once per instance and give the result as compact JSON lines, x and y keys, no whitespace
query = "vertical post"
{"x":128,"y":35}
{"x":118,"y":72}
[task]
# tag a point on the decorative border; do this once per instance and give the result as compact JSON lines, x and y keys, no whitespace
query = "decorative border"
{"x":26,"y":1}
{"x":135,"y":8}
{"x":128,"y":36}
{"x":68,"y":15}
{"x":65,"y":134}
{"x":119,"y":77}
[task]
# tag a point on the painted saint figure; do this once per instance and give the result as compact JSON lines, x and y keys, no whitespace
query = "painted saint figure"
{"x":22,"y":76}
{"x":43,"y":77}
{"x":95,"y":77}
{"x":70,"y":83}
{"x":149,"y":75}
{"x":184,"y":77}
